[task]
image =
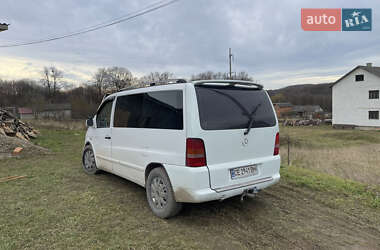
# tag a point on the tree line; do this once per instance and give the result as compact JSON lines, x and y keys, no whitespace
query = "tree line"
{"x":84,"y":97}
{"x":306,"y":94}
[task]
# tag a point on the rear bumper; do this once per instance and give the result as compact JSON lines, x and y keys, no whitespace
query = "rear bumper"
{"x":193,"y":184}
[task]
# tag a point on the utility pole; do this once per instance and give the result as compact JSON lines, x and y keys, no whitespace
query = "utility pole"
{"x":230,"y":59}
{"x":3,"y":26}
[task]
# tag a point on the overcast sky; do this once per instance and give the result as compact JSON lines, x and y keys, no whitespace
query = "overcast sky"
{"x":185,"y":38}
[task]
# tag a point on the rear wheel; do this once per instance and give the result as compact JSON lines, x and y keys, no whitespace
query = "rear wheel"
{"x":88,"y":159}
{"x":160,"y":194}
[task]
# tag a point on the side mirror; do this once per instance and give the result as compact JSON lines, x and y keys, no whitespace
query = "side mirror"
{"x":89,"y":122}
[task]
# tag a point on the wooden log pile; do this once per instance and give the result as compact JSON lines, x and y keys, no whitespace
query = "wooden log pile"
{"x":11,"y":126}
{"x":303,"y":122}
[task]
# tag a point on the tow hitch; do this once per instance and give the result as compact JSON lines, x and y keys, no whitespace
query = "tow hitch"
{"x":250,"y":193}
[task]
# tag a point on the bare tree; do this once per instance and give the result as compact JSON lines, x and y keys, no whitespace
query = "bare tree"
{"x":208,"y":75}
{"x":52,"y":80}
{"x":46,"y":80}
{"x":243,"y":76}
{"x":156,"y":77}
{"x":20,"y":93}
{"x":100,"y":80}
{"x":56,"y":75}
{"x":119,"y":78}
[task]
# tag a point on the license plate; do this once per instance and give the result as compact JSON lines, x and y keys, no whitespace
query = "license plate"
{"x":242,"y":172}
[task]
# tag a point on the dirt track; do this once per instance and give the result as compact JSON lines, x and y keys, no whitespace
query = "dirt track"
{"x":281,"y":217}
{"x":288,"y":218}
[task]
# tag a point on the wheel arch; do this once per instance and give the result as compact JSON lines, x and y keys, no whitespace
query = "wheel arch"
{"x":152,"y":166}
{"x":88,"y":143}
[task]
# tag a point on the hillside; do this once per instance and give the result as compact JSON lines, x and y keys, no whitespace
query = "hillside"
{"x":305,"y":94}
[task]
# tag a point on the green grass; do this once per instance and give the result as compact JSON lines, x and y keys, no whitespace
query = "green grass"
{"x":58,"y":206}
{"x":301,"y":177}
{"x":326,"y":137}
{"x":59,"y":140}
{"x":348,"y":154}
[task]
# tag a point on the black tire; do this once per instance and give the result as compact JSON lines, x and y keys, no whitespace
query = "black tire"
{"x":88,"y":161}
{"x":160,"y":195}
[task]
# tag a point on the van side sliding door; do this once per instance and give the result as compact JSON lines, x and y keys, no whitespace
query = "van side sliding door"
{"x":148,"y":128}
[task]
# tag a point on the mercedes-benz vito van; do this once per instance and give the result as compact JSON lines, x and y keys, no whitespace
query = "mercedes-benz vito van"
{"x":187,"y":142}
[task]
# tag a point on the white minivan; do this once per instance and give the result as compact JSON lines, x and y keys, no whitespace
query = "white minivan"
{"x":187,"y":142}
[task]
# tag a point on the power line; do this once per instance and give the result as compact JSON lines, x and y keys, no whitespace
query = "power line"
{"x":143,"y":11}
{"x":156,"y":4}
{"x":127,"y":17}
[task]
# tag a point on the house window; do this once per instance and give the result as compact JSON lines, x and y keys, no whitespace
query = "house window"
{"x":373,"y":94}
{"x":373,"y":115}
{"x":359,"y":78}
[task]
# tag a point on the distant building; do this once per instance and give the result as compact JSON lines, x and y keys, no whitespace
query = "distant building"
{"x":25,"y":113}
{"x":56,"y":111}
{"x":283,"y":108}
{"x":307,"y":111}
{"x":60,"y":111}
{"x":355,"y":98}
{"x":286,"y":109}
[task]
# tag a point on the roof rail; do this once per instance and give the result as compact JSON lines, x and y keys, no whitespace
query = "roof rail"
{"x":151,"y":84}
{"x":229,"y":82}
{"x":177,"y":80}
{"x":137,"y":86}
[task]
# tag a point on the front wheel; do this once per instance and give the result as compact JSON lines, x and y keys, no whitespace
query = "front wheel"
{"x":160,"y":194}
{"x":88,"y":161}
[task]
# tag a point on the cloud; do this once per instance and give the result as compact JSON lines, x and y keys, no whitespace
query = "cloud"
{"x":12,"y":68}
{"x":185,"y":38}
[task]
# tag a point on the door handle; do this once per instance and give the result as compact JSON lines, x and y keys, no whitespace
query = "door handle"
{"x":107,"y":137}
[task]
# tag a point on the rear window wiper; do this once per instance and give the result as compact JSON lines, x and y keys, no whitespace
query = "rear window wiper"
{"x":245,"y":111}
{"x":251,"y":116}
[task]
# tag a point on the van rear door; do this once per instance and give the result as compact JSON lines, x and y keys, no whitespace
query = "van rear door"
{"x":238,"y":127}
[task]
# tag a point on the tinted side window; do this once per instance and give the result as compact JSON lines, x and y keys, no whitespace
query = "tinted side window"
{"x":128,"y":111}
{"x":103,"y":117}
{"x":159,"y":110}
{"x":163,"y":109}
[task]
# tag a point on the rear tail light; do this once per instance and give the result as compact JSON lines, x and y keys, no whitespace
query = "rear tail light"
{"x":277,"y":145}
{"x":195,"y":153}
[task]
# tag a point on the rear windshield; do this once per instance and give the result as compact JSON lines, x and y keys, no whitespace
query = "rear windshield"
{"x":233,"y":108}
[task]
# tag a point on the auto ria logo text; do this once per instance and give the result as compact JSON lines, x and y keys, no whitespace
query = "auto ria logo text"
{"x":336,"y":19}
